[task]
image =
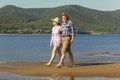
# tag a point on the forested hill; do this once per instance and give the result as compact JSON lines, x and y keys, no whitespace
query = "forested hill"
{"x":38,"y":20}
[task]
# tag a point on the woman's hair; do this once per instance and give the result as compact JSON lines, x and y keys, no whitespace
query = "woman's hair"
{"x":59,"y":24}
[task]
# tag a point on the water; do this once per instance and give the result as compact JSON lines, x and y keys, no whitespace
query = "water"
{"x":98,"y":43}
{"x":35,"y":48}
{"x":6,"y":76}
{"x":24,"y":47}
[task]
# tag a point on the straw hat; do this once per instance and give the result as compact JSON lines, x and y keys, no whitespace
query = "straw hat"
{"x":55,"y":19}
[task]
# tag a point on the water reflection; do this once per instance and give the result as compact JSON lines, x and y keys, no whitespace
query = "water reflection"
{"x":56,"y":77}
{"x":7,"y":76}
{"x":59,"y":77}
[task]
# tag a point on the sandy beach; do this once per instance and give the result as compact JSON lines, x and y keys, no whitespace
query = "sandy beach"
{"x":81,"y":69}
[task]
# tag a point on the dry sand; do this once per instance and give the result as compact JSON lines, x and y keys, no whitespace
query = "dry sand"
{"x":81,"y":69}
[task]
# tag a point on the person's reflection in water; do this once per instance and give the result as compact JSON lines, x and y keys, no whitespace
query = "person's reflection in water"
{"x":72,"y":78}
{"x":58,"y":77}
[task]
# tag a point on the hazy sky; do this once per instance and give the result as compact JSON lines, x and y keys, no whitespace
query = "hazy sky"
{"x":94,"y":4}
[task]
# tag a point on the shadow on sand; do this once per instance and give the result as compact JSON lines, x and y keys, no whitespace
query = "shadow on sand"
{"x":91,"y":64}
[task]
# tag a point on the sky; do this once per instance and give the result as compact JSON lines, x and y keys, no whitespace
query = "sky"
{"x":105,"y":5}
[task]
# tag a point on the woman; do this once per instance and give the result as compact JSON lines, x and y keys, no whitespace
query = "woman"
{"x":56,"y":40}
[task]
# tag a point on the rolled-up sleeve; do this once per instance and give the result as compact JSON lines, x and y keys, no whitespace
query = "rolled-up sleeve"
{"x":72,"y":29}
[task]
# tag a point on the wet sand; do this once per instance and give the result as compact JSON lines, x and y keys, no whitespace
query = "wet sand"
{"x":81,"y":69}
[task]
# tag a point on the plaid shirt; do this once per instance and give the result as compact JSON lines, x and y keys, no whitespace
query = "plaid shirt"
{"x":68,"y":29}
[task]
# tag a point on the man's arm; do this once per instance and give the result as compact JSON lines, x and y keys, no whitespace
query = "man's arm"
{"x":72,"y":32}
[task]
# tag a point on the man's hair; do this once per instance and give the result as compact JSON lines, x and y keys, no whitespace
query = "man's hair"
{"x":64,"y":14}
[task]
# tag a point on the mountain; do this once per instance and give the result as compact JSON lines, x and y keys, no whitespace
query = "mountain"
{"x":10,"y":14}
{"x":14,"y":19}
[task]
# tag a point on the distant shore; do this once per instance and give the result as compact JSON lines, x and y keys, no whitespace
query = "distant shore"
{"x":81,"y":69}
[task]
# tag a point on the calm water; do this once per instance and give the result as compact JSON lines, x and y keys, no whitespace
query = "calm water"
{"x":6,"y":76}
{"x":36,"y":47}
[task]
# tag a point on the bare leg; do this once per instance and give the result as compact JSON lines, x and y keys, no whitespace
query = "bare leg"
{"x":59,"y":52}
{"x":71,"y":58}
{"x":61,"y":59}
{"x":53,"y":55}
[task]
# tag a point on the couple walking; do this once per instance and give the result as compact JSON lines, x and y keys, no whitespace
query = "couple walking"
{"x":62,"y":34}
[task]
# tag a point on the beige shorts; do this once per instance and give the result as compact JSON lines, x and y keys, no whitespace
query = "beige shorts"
{"x":66,"y":46}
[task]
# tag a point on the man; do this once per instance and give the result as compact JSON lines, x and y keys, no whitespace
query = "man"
{"x":68,"y":33}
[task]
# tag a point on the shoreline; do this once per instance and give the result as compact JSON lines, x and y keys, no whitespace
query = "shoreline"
{"x":81,"y":69}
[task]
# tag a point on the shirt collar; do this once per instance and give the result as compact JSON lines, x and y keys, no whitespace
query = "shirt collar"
{"x":66,"y":22}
